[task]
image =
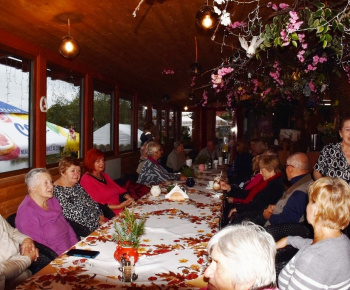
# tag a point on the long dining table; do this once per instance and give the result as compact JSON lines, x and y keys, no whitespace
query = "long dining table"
{"x":172,"y":253}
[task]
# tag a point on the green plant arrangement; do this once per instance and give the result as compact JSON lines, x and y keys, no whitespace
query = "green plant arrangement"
{"x":188,"y":172}
{"x":201,"y":159}
{"x":129,"y":229}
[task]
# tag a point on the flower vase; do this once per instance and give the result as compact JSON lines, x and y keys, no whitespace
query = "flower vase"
{"x":190,"y":182}
{"x":126,"y":253}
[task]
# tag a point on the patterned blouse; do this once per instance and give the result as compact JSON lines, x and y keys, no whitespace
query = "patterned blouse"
{"x":153,"y":173}
{"x":78,"y":206}
{"x":332,"y":162}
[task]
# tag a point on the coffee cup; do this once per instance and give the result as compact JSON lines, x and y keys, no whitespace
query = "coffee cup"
{"x":220,"y":160}
{"x":210,"y":184}
{"x":189,"y":162}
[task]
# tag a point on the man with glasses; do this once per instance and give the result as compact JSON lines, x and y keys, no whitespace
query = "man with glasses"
{"x":291,"y":207}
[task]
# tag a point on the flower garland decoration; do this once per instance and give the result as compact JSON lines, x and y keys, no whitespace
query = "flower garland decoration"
{"x":314,"y":35}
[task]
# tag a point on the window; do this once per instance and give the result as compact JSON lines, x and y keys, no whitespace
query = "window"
{"x":125,"y":122}
{"x":164,"y":133}
{"x":63,"y":122}
{"x":186,"y":128}
{"x":224,"y":127}
{"x":102,"y":117}
{"x":142,"y":117}
{"x":15,"y":96}
{"x":171,"y":125}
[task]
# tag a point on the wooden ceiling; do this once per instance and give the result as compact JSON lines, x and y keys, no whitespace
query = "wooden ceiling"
{"x":134,"y":50}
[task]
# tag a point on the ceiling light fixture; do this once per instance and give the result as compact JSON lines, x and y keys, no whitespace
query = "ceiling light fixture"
{"x":68,"y":47}
{"x":206,"y":17}
{"x":195,"y":67}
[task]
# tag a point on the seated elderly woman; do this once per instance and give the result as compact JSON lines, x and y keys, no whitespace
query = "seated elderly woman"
{"x":243,"y":257}
{"x":152,"y":172}
{"x":17,"y":252}
{"x":40,"y":214}
{"x":268,"y":191}
{"x":76,"y":204}
{"x":324,"y":262}
{"x":100,"y":186}
{"x":176,"y":159}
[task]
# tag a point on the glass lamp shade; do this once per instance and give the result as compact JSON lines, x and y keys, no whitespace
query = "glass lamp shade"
{"x":68,"y":47}
{"x":206,"y":17}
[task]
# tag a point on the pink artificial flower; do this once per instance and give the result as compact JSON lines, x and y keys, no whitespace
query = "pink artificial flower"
{"x":238,"y":24}
{"x":304,"y":45}
{"x":312,"y":87}
{"x":293,"y":15}
{"x":301,"y":37}
{"x":276,"y":64}
{"x":274,"y":7}
{"x":283,"y":6}
{"x":322,"y":59}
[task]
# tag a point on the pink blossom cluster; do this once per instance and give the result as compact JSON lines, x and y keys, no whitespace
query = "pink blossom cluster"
{"x":229,"y":99}
{"x":315,"y":60}
{"x":193,"y":81}
{"x":304,"y":45}
{"x":294,"y":24}
{"x":205,"y":98}
{"x":265,"y":93}
{"x":237,"y":24}
{"x":312,"y":87}
{"x":284,"y":37}
{"x":276,"y":75}
{"x":256,"y":83}
{"x":168,"y":72}
{"x":217,"y":79}
{"x":282,"y":6}
{"x":347,"y":70}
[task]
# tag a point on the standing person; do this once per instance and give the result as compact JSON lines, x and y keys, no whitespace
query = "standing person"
{"x":324,"y":262}
{"x":100,"y":186}
{"x":211,"y":150}
{"x":147,"y":135}
{"x":241,"y":169}
{"x":176,"y":158}
{"x":152,"y":172}
{"x":76,"y":204}
{"x":17,"y":252}
{"x":292,"y":205}
{"x":40,"y":214}
{"x":243,"y":257}
{"x":334,"y":159}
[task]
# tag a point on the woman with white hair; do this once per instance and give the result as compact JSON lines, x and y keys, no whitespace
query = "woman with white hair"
{"x":40,"y":215}
{"x":324,"y":262}
{"x":243,"y":257}
{"x":152,"y":171}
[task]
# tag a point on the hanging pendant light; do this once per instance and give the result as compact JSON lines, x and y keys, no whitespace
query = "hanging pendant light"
{"x":68,"y":47}
{"x":195,"y":67}
{"x":206,"y":17}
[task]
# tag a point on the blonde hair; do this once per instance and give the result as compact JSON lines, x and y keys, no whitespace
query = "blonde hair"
{"x":270,"y":163}
{"x":332,"y":197}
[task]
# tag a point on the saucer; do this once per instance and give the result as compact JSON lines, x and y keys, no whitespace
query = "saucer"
{"x":208,"y":187}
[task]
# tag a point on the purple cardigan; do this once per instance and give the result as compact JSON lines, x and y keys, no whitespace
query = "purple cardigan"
{"x":49,"y":228}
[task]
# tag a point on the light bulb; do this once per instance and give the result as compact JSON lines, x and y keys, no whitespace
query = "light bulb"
{"x":69,"y":46}
{"x":207,"y":22}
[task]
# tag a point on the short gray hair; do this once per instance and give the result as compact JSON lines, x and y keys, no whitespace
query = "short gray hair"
{"x":30,"y":178}
{"x":152,"y":148}
{"x":177,"y":144}
{"x":299,"y":160}
{"x":251,"y":252}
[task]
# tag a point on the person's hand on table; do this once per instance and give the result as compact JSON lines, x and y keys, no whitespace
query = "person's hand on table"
{"x":225,"y":186}
{"x":268,"y":211}
{"x":230,"y":199}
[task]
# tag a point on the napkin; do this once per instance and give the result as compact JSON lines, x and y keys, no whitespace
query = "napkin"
{"x":176,"y":194}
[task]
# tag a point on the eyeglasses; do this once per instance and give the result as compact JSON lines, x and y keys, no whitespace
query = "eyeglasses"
{"x":289,"y":165}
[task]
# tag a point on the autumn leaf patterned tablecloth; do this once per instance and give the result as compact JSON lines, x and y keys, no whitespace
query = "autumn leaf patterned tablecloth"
{"x":172,"y":252}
